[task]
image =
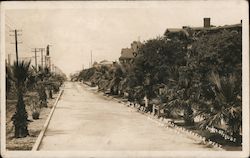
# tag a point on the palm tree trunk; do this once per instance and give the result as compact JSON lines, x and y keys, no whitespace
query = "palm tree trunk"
{"x":42,"y":96}
{"x":50,"y":94}
{"x":188,"y":115}
{"x":20,"y":118}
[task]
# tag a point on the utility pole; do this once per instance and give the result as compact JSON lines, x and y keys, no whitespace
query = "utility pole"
{"x":47,"y":57}
{"x":16,"y":46}
{"x":16,"y":42}
{"x":45,"y":61}
{"x":48,"y":62}
{"x":35,"y":51}
{"x":42,"y":49}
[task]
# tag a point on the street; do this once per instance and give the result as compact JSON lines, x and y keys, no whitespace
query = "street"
{"x":86,"y":120}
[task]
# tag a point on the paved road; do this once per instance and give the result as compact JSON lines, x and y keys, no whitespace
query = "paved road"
{"x":86,"y":120}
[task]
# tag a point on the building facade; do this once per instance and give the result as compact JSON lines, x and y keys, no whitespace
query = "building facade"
{"x":128,"y":54}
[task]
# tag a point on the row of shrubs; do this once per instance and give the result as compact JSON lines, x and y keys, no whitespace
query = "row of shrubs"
{"x":37,"y":85}
{"x":191,"y":75}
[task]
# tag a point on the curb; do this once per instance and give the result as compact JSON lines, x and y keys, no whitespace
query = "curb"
{"x":86,"y":83}
{"x":45,"y":126}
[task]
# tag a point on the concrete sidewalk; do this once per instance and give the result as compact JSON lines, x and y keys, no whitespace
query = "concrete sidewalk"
{"x":84,"y":120}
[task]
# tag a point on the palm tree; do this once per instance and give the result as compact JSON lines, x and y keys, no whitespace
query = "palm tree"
{"x":177,"y":93}
{"x":20,"y":72}
{"x":117,"y":75}
{"x":226,"y":107}
{"x":39,"y":75}
{"x":49,"y":82}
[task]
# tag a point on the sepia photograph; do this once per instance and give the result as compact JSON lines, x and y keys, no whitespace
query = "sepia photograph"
{"x":124,"y":79}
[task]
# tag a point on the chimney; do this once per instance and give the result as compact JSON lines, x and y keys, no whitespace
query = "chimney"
{"x":206,"y":22}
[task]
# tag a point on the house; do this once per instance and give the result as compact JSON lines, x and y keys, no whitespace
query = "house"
{"x":103,"y":63}
{"x":106,"y":62}
{"x":135,"y":46}
{"x":128,"y":54}
{"x":196,"y":31}
{"x":176,"y":32}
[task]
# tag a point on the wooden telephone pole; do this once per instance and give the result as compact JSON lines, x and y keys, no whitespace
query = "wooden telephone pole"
{"x":35,"y":51}
{"x":47,"y":57}
{"x":16,"y":42}
{"x":16,"y":46}
{"x":42,"y":49}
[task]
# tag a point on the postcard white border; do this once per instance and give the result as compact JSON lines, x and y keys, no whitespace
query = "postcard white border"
{"x":150,"y":4}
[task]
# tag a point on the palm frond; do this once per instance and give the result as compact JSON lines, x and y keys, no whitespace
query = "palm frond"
{"x":21,"y":70}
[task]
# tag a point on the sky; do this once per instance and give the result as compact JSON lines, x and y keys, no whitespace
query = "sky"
{"x":75,"y":29}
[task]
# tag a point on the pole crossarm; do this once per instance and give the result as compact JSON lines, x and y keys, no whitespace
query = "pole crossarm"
{"x":35,"y":50}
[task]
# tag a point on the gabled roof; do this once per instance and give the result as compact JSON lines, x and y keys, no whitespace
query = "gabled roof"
{"x":127,"y":53}
{"x":176,"y":30}
{"x":137,"y":42}
{"x":227,"y":26}
{"x":106,"y":62}
{"x":213,"y":28}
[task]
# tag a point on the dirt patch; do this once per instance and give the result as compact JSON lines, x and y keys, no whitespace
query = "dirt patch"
{"x":34,"y":126}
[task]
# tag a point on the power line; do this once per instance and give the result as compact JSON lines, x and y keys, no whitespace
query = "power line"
{"x":10,"y":23}
{"x":42,"y":59}
{"x":15,"y":23}
{"x":8,"y":26}
{"x":11,"y":28}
